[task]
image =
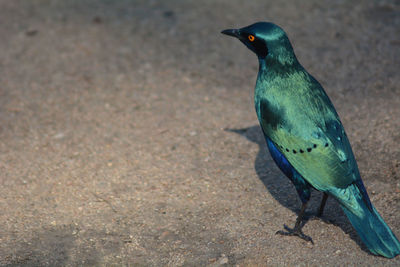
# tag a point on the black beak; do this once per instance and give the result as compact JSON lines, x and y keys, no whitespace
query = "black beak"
{"x":232,"y":32}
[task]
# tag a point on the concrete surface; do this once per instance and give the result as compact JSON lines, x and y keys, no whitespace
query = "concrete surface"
{"x":128,"y":134}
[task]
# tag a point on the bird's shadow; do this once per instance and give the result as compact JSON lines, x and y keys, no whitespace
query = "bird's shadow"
{"x":281,"y":188}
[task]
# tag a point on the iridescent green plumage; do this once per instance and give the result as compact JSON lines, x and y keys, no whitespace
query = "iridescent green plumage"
{"x":296,"y":114}
{"x":306,"y":137}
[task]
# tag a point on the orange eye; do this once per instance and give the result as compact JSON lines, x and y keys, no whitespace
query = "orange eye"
{"x":251,"y":38}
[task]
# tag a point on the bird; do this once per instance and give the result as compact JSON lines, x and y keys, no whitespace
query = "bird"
{"x":306,"y":137}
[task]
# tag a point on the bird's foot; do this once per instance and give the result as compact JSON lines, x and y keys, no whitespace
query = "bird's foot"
{"x":295,"y":232}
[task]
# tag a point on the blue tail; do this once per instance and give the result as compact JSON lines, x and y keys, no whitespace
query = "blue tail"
{"x":370,"y":226}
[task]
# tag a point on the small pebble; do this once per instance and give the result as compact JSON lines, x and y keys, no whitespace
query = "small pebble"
{"x":223,"y":259}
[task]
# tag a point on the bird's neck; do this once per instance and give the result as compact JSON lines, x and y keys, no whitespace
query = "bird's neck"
{"x":271,"y":73}
{"x":271,"y":66}
{"x":262,"y":66}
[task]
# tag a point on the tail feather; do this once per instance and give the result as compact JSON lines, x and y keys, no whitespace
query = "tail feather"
{"x":370,"y":226}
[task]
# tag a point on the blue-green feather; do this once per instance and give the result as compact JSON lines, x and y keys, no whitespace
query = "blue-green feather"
{"x":370,"y":226}
{"x":303,"y":188}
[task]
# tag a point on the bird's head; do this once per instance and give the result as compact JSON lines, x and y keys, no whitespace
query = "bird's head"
{"x":266,"y":40}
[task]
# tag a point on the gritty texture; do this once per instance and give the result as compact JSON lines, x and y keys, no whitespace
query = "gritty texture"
{"x":128,"y":135}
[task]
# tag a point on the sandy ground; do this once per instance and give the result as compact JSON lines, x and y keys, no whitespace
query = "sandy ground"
{"x":128,"y":134}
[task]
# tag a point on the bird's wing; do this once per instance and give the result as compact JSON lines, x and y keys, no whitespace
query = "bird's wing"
{"x":323,"y":156}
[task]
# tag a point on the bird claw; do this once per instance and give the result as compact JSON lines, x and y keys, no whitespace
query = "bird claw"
{"x":294,"y":232}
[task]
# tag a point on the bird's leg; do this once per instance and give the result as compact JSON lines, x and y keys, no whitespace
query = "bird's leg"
{"x":321,"y":207}
{"x":296,"y":231}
